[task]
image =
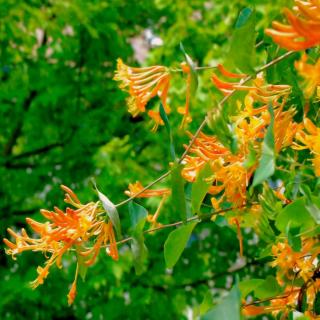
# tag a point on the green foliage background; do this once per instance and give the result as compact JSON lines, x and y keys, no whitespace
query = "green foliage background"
{"x":63,"y":120}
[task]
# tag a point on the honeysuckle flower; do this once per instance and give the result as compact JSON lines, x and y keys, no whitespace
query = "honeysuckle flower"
{"x":74,"y":228}
{"x":143,"y":84}
{"x":258,"y":88}
{"x":303,"y":30}
{"x":289,"y":262}
{"x":309,"y":138}
{"x":311,"y":75}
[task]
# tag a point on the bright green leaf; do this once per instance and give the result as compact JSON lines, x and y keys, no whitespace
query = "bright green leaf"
{"x":138,"y":215}
{"x":111,"y":211}
{"x":200,"y":188}
{"x":268,"y":288}
{"x":241,"y":54}
{"x":247,"y":286}
{"x":165,"y":119}
{"x":176,"y":242}
{"x":194,"y":74}
{"x":227,"y":309}
{"x":266,"y":166}
{"x":297,"y":214}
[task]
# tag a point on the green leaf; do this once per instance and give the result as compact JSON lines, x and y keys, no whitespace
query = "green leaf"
{"x":268,"y":288}
{"x":139,"y":253}
{"x":200,"y":188}
{"x":227,"y":309}
{"x":294,"y":239}
{"x":165,"y":119}
{"x":194,"y":75}
{"x":312,"y":203}
{"x":316,"y":304}
{"x":111,"y":211}
{"x":176,"y":242}
{"x":241,"y":54}
{"x":178,"y":194}
{"x":297,"y":215}
{"x":206,"y":303}
{"x":266,"y":166}
{"x":247,"y":286}
{"x":252,"y":157}
{"x":138,"y":215}
{"x":82,"y":267}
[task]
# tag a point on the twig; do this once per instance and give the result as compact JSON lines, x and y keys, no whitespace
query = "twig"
{"x":178,"y":223}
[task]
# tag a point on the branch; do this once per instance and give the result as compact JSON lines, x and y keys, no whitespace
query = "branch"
{"x":37,"y":151}
{"x":17,"y":131}
{"x":204,"y":122}
{"x":203,"y":217}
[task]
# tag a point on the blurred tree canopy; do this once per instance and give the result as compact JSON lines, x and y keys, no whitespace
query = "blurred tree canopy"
{"x":63,"y":120}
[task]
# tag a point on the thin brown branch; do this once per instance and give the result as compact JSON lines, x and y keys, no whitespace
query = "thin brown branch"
{"x":203,"y":217}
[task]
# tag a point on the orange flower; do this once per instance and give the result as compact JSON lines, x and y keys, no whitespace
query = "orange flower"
{"x":62,"y":231}
{"x":310,"y":141}
{"x":303,"y":30}
{"x":143,"y":84}
{"x":258,"y":88}
{"x":289,"y":262}
{"x":311,"y":74}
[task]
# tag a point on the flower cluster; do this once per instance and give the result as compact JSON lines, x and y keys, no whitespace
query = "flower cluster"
{"x":257,"y":88}
{"x":143,"y":84}
{"x":311,"y":75}
{"x":303,"y":30}
{"x":308,"y":137}
{"x":76,"y":228}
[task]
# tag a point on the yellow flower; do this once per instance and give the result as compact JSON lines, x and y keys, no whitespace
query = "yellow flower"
{"x":143,"y":84}
{"x":309,"y":137}
{"x":311,"y":74}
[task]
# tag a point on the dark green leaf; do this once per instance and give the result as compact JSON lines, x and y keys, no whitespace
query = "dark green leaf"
{"x":165,"y":119}
{"x":176,"y":242}
{"x":178,"y":195}
{"x":138,"y":215}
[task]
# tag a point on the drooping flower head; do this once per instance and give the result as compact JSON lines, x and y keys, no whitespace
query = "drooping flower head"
{"x":143,"y":84}
{"x":75,"y":228}
{"x":303,"y":28}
